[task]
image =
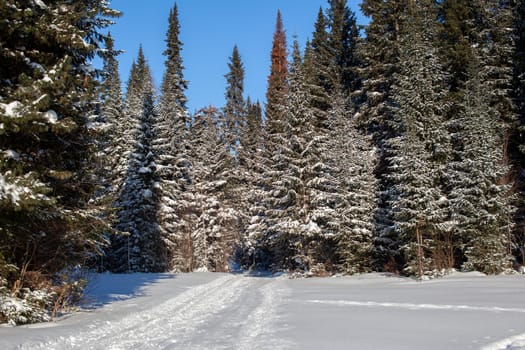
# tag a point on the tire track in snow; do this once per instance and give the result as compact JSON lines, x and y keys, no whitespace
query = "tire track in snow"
{"x":411,"y":306}
{"x":246,"y":324}
{"x":167,"y":326}
{"x":257,"y":332}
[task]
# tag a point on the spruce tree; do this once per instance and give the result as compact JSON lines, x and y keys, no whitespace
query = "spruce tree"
{"x":47,"y":89}
{"x":112,"y":110}
{"x":215,"y":227}
{"x":319,"y":70}
{"x":354,"y":159}
{"x":171,"y":147}
{"x":419,"y":153}
{"x":479,"y":204}
{"x":278,"y":78}
{"x":235,"y":108}
{"x":342,"y":40}
{"x":251,"y":181}
{"x":519,"y":93}
{"x":378,"y":54}
{"x":142,"y":247}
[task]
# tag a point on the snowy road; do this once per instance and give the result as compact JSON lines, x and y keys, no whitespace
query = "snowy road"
{"x":220,"y":311}
{"x":207,"y":316}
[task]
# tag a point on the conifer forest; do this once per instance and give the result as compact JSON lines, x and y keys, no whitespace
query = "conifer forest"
{"x":395,"y":147}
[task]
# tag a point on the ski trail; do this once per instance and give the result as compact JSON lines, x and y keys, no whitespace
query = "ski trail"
{"x":168,"y":326}
{"x":411,"y":306}
{"x":258,"y":330}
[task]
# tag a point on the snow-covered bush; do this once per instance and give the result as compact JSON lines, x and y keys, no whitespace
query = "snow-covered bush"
{"x":38,"y":298}
{"x":30,"y":307}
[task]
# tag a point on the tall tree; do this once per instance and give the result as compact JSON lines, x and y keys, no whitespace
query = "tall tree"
{"x":171,"y":145}
{"x":519,"y":83}
{"x":379,"y":56}
{"x":112,"y":111}
{"x":343,"y":38}
{"x":142,"y":248}
{"x":215,"y":227}
{"x":479,"y":204}
{"x":47,"y":89}
{"x":235,"y":108}
{"x":420,"y":151}
{"x":278,"y":78}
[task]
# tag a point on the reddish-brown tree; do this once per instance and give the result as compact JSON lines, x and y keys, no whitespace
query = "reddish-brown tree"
{"x":278,"y":79}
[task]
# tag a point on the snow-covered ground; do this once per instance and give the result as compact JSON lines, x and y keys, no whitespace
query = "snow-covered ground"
{"x":223,"y":311}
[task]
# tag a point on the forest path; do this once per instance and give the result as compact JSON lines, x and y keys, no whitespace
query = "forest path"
{"x":230,"y":312}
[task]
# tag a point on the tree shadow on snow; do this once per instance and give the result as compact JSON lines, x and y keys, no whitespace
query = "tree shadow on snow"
{"x":103,"y":289}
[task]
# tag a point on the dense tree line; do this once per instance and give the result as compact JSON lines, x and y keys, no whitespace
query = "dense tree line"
{"x":396,"y":149}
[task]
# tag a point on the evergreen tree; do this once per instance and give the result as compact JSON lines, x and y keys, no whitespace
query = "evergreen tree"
{"x":354,"y":158}
{"x":278,"y":78}
{"x":319,"y":70}
{"x":215,"y":227}
{"x":379,"y":57}
{"x":479,"y":203}
{"x":251,"y":181}
{"x":342,"y":40}
{"x":519,"y":83}
{"x":47,"y":89}
{"x":420,"y":152}
{"x":171,"y":147}
{"x":235,"y":108}
{"x":288,"y":224}
{"x":142,"y":249}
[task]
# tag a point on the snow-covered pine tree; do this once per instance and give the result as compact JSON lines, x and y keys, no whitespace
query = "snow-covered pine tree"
{"x":142,"y":249}
{"x":342,"y":39}
{"x":354,"y":158}
{"x":300,"y":218}
{"x":112,"y":110}
{"x":478,"y":201}
{"x":422,"y":147}
{"x":235,"y":109}
{"x":215,"y":224}
{"x":378,"y":53}
{"x":171,"y":146}
{"x":287,"y":206}
{"x":251,"y":184}
{"x":319,"y":70}
{"x":278,"y":78}
{"x":519,"y":88}
{"x":47,"y":89}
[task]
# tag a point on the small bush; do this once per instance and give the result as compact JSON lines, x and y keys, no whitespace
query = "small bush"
{"x":38,"y":298}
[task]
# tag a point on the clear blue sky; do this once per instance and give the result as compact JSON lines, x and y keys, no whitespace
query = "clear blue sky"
{"x":209,"y":30}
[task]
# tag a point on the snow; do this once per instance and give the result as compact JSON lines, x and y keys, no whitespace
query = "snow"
{"x":242,"y":311}
{"x":12,"y":110}
{"x":40,"y":4}
{"x":51,"y":116}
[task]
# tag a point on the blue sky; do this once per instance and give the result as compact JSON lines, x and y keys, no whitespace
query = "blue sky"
{"x":209,"y":30}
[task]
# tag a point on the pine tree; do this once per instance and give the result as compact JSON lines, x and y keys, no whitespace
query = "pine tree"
{"x":479,"y":203}
{"x":278,"y":78}
{"x":215,"y":235}
{"x":354,"y":158}
{"x":288,"y":225}
{"x":142,"y":249}
{"x":47,"y":90}
{"x":319,"y":70}
{"x":235,"y":108}
{"x":342,"y":40}
{"x":251,"y":182}
{"x":171,"y":149}
{"x":112,"y":112}
{"x":420,"y":152}
{"x":379,"y":57}
{"x":519,"y":88}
